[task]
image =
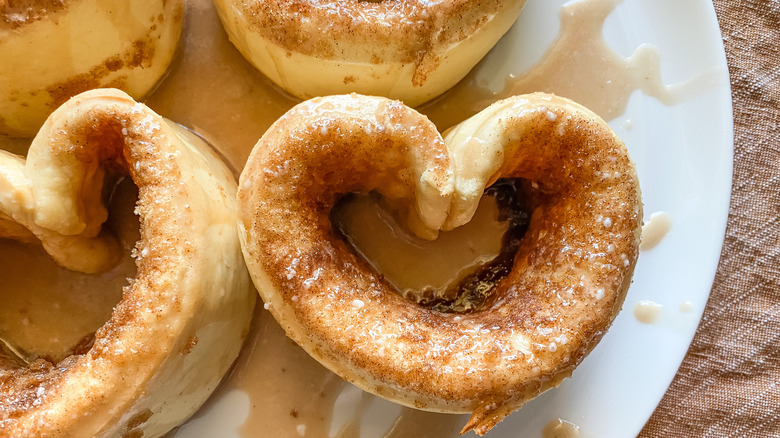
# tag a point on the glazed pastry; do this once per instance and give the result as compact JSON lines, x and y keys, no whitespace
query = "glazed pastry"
{"x":570,"y":273}
{"x":412,"y":50}
{"x":182,"y":319}
{"x":53,"y":50}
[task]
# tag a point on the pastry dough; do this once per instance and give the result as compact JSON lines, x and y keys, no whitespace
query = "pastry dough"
{"x":182,"y":319}
{"x":412,"y":50}
{"x":570,"y":274}
{"x":52,"y":50}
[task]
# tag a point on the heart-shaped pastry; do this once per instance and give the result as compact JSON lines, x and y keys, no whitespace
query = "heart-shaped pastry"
{"x":182,"y":319}
{"x":412,"y":50}
{"x":53,"y":50}
{"x":570,"y":272}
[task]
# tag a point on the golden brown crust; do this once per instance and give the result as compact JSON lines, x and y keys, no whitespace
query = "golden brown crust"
{"x":167,"y":317}
{"x":570,"y":273}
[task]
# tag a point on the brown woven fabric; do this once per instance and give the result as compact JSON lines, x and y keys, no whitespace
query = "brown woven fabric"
{"x":729,"y":382}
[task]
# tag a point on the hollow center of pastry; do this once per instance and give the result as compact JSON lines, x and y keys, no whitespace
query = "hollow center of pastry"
{"x":50,"y":312}
{"x":456,"y":272}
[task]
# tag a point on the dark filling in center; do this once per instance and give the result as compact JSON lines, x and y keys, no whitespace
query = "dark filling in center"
{"x":471,"y":292}
{"x":515,"y":199}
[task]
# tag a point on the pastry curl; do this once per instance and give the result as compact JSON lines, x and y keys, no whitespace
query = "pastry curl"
{"x":568,"y":280}
{"x":182,"y":319}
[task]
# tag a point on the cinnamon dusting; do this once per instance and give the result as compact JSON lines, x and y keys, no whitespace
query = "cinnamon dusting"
{"x":569,"y":276}
{"x":140,"y":54}
{"x":409,"y":30}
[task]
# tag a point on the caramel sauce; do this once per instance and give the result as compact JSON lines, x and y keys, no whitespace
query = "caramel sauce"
{"x":412,"y":264}
{"x":421,"y":424}
{"x":51,"y":312}
{"x":213,"y":90}
{"x":559,"y":428}
{"x":475,"y":289}
{"x":579,"y":65}
{"x":275,"y":388}
{"x":291,"y":394}
{"x":647,"y":312}
{"x":17,"y":146}
{"x":454,"y":273}
{"x":655,"y":229}
{"x":278,"y":390}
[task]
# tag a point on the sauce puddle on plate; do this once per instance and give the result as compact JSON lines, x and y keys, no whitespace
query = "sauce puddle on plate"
{"x":51,"y":312}
{"x":647,"y":312}
{"x":560,"y":428}
{"x":655,"y":230}
{"x":213,"y":90}
{"x":578,"y":65}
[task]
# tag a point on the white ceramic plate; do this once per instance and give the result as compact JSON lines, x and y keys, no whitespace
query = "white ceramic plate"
{"x":684,"y":161}
{"x":684,"y":158}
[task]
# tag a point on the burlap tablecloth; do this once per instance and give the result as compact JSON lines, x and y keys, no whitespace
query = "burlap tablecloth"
{"x":729,"y":382}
